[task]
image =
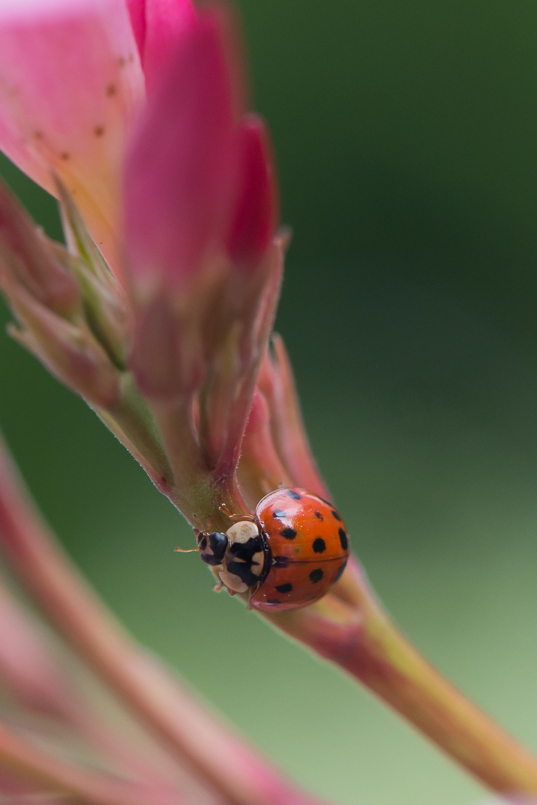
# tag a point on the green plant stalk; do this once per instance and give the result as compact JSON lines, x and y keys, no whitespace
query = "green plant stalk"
{"x":198,"y":492}
{"x":133,"y":423}
{"x":351,"y":629}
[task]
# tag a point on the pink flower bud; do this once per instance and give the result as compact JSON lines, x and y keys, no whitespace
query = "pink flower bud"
{"x":32,"y":260}
{"x":157,"y":26}
{"x":36,"y":277}
{"x":254,"y":220}
{"x":163,"y":370}
{"x":179,"y":173}
{"x":69,"y":351}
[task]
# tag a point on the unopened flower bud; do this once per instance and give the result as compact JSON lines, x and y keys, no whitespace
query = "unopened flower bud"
{"x":69,"y":351}
{"x":157,"y":26}
{"x":105,"y":302}
{"x":254,"y":220}
{"x":26,"y":253}
{"x":159,"y":360}
{"x":44,"y":295}
{"x":180,"y":168}
{"x":199,"y":208}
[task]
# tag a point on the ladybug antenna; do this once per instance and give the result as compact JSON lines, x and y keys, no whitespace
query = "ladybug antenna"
{"x":186,"y":550}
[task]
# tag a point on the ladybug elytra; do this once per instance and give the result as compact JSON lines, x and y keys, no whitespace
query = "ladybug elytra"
{"x":287,"y":556}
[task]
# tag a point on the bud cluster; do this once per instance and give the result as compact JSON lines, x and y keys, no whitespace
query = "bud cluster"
{"x":164,"y":326}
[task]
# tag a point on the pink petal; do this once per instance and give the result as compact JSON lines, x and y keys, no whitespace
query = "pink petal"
{"x":180,"y":173}
{"x":255,"y":216}
{"x":158,"y":26}
{"x":70,"y":83}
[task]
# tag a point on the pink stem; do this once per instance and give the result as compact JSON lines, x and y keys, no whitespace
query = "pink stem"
{"x":350,"y":628}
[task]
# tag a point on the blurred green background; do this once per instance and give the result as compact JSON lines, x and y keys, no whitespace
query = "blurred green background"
{"x":406,"y":137}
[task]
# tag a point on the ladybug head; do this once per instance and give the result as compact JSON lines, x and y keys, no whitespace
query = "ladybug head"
{"x":212,"y":547}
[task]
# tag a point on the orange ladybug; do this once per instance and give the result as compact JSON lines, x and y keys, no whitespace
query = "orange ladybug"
{"x":288,"y":555}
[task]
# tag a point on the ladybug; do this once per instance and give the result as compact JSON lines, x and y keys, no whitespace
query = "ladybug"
{"x":287,"y":556}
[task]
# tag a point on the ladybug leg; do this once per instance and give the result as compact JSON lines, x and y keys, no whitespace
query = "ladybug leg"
{"x":218,"y":587}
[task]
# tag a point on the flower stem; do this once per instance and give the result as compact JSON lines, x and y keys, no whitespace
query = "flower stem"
{"x":351,"y":629}
{"x":133,"y":423}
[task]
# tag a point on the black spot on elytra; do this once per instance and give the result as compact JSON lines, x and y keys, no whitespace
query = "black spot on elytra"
{"x":273,"y":601}
{"x":284,"y":588}
{"x":288,"y":533}
{"x":319,"y":516}
{"x":319,"y":545}
{"x":280,"y":561}
{"x":316,"y":575}
{"x":294,"y":495}
{"x":343,"y":539}
{"x":340,"y":571}
{"x":278,"y":514}
{"x":336,"y":515}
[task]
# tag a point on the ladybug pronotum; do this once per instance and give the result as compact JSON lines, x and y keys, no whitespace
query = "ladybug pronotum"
{"x":287,"y":556}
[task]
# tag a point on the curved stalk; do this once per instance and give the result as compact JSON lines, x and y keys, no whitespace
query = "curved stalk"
{"x":350,"y":628}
